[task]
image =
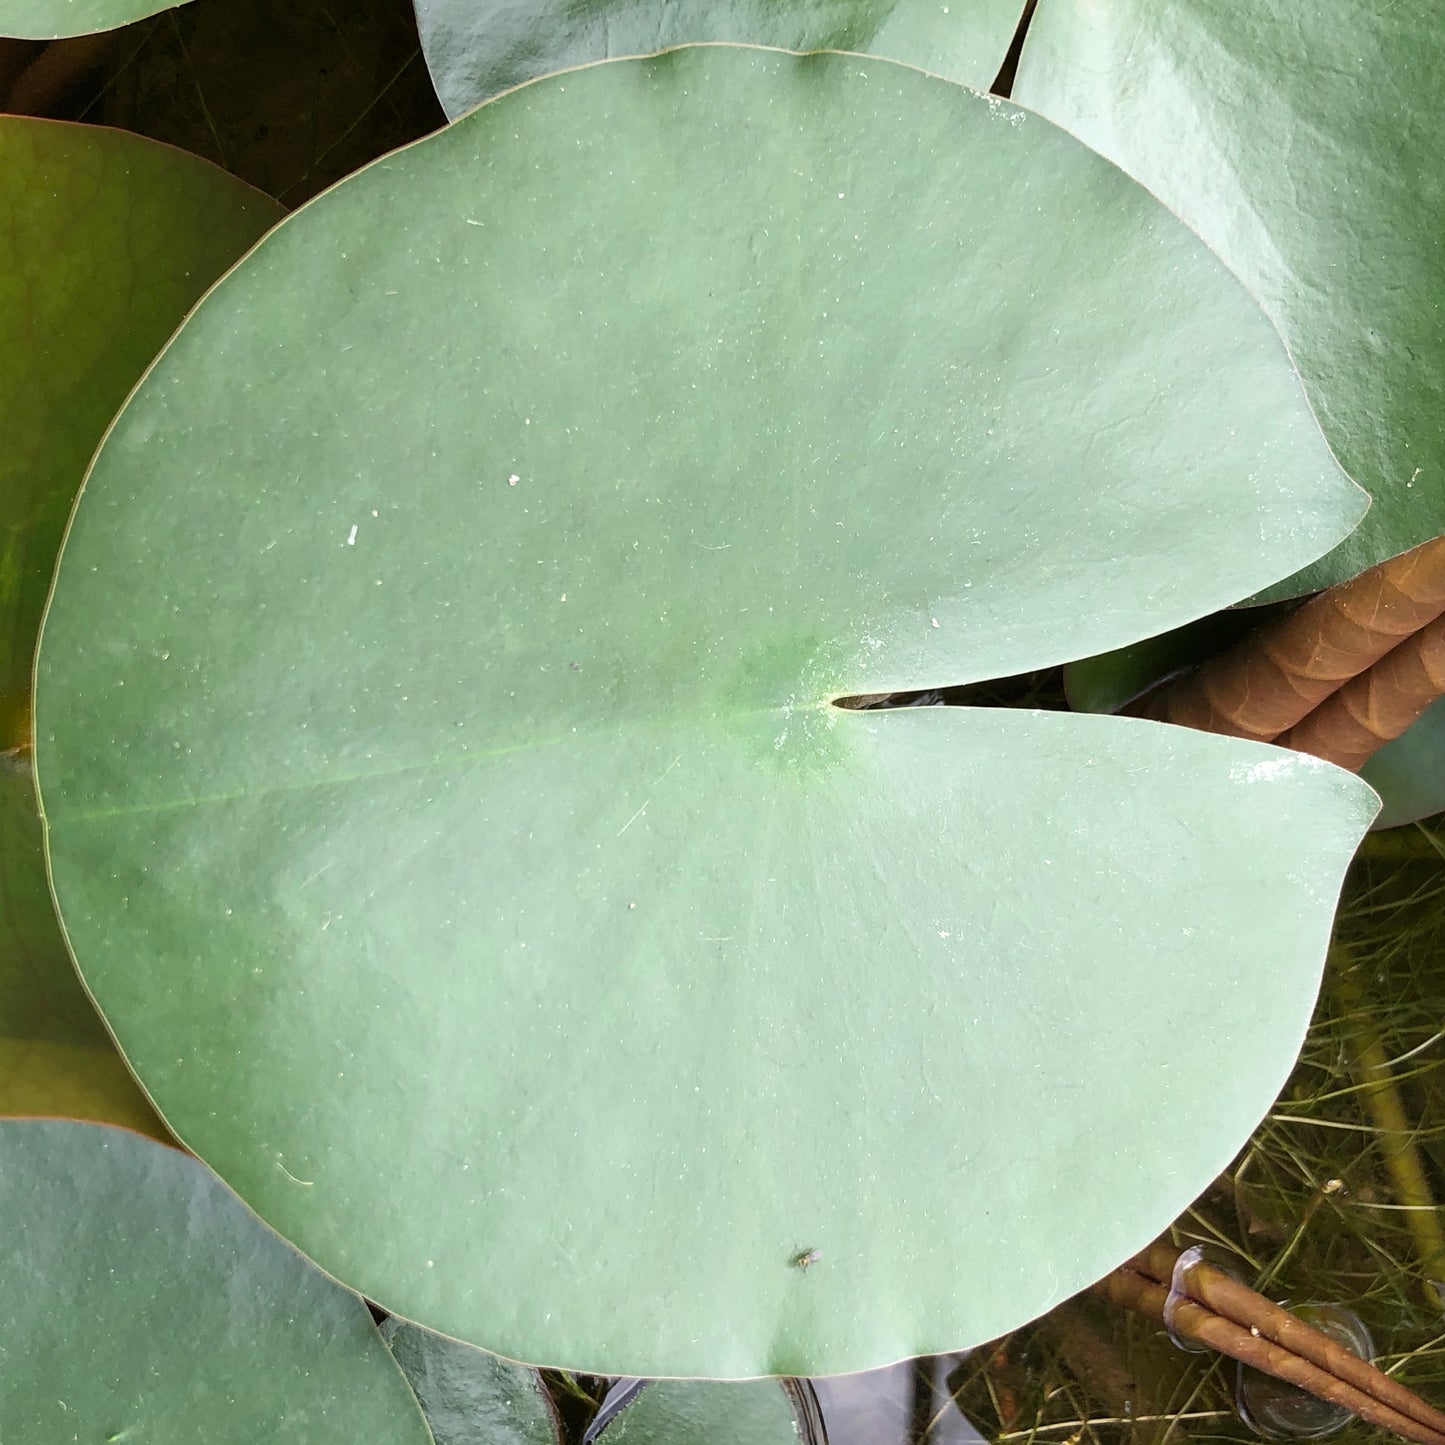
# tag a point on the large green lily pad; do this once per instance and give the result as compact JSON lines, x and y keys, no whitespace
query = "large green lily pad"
{"x":475,"y":49}
{"x":446,"y":800}
{"x":52,"y":19}
{"x":1303,"y":144}
{"x":140,"y":1300}
{"x":107,"y":240}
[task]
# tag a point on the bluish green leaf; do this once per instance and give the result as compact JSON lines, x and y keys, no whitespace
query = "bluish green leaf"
{"x":468,"y":1396}
{"x":1303,"y":144}
{"x":141,"y":1301}
{"x":476,"y":49}
{"x":458,"y":830}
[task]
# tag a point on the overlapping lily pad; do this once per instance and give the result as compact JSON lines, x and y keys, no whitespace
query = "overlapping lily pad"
{"x":52,"y":19}
{"x":141,"y":1301}
{"x":469,"y":1396}
{"x":1303,"y":144}
{"x":705,"y":1412}
{"x":476,"y":49}
{"x":435,"y":721}
{"x":105,"y":241}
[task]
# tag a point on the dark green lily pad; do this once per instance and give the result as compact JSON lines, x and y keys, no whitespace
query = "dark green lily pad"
{"x":108,"y":241}
{"x":458,"y":832}
{"x":1409,"y":773}
{"x":141,"y":1301}
{"x":470,"y":1397}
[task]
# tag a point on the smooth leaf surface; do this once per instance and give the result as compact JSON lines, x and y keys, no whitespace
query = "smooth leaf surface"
{"x":1409,"y":773}
{"x":470,"y":1397}
{"x":140,"y":1300}
{"x":459,"y":821}
{"x":52,"y":19}
{"x":1303,"y":145}
{"x":475,"y":49}
{"x":105,"y":241}
{"x":706,"y":1412}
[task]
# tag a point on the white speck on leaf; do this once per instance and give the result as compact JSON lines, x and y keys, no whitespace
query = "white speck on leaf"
{"x":513,"y":480}
{"x":351,"y":540}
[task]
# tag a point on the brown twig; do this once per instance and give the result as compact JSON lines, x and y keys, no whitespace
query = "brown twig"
{"x":1273,"y":678}
{"x":1210,"y":1307}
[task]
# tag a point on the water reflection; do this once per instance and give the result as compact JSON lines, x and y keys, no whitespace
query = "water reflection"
{"x":910,"y":1403}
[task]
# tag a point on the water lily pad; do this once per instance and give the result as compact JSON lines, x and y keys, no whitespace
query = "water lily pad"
{"x":52,"y":19}
{"x":475,"y":49}
{"x":707,"y":1412}
{"x":470,"y":1397}
{"x":1303,"y":144}
{"x":140,"y":1300}
{"x":1409,"y":773}
{"x":108,"y":240}
{"x":457,"y":829}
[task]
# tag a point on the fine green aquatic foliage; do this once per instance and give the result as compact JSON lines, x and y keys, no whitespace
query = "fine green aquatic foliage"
{"x":475,"y":49}
{"x":47,"y":19}
{"x":140,"y":1300}
{"x":472,"y":768}
{"x":1304,"y":147}
{"x":106,"y":241}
